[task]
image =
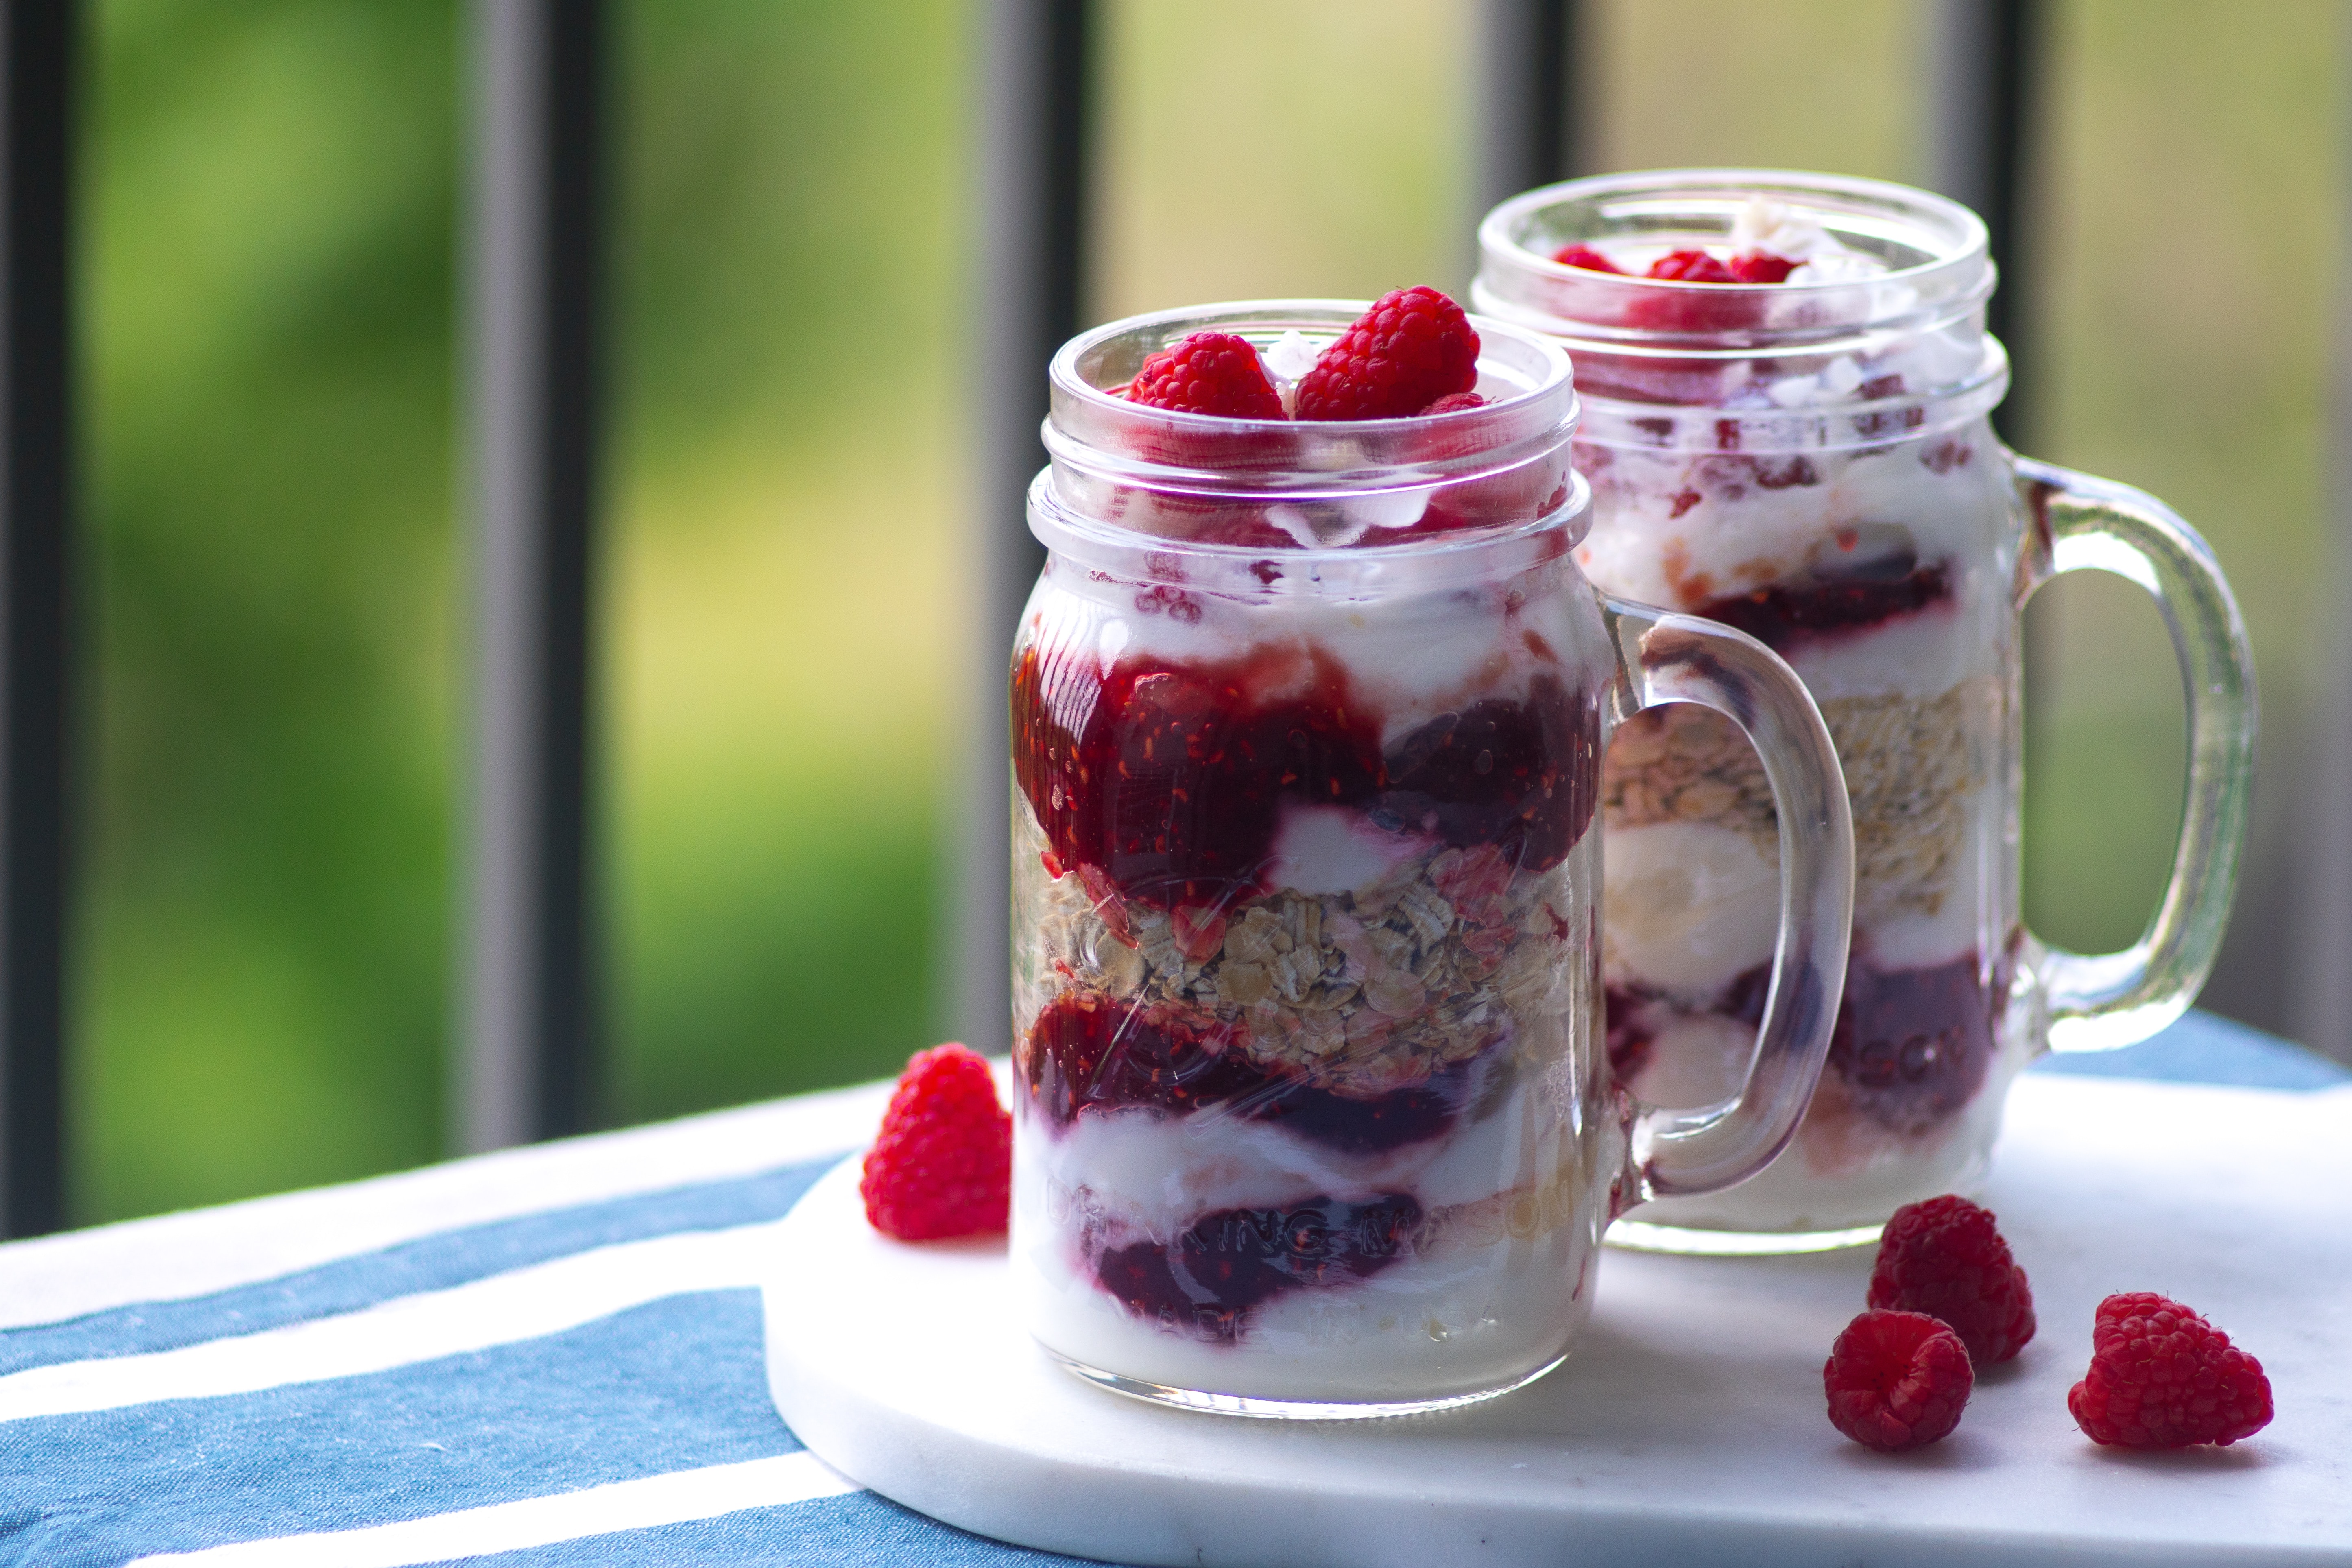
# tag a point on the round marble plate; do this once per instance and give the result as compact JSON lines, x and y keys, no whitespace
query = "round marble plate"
{"x":1687,"y":1425}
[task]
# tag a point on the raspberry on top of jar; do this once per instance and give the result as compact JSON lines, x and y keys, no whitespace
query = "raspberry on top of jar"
{"x":1246,"y":420}
{"x":1770,"y":242}
{"x":1412,"y":350}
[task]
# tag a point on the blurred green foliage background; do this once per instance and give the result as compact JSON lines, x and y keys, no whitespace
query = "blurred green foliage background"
{"x":279,"y":577}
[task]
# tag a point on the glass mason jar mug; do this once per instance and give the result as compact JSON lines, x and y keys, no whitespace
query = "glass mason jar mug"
{"x":1311,"y":1115}
{"x":1810,"y":460}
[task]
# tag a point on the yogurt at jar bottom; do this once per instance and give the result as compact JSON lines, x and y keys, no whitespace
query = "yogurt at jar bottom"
{"x":1884,"y":575}
{"x":1300,"y":1110}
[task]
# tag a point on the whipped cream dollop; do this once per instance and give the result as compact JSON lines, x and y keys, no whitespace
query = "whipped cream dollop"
{"x":1291,"y":356}
{"x":1766,"y":225}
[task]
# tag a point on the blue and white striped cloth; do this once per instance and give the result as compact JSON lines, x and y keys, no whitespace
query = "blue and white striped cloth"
{"x":548,"y":1357}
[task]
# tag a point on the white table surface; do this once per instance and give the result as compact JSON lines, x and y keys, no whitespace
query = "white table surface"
{"x":177,"y":1255}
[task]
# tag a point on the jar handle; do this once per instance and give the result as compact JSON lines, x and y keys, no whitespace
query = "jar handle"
{"x":1667,"y":657}
{"x":2098,"y":1002}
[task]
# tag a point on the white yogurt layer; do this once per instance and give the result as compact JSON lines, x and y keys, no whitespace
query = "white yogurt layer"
{"x":1410,"y":656}
{"x":1337,"y":849}
{"x":1695,"y":1060}
{"x":1687,"y":908}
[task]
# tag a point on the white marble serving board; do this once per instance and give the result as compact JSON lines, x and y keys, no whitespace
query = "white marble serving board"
{"x":1687,"y":1427}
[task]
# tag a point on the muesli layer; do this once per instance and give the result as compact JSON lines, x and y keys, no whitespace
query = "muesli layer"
{"x":1359,"y":992}
{"x":1914,"y":768}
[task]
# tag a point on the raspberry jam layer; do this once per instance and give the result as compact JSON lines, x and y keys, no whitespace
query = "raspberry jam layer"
{"x":1205,"y":1281}
{"x":1786,"y":616}
{"x":1629,"y":1036}
{"x":1089,"y":1055}
{"x":1173,"y":778}
{"x":1910,"y":1048}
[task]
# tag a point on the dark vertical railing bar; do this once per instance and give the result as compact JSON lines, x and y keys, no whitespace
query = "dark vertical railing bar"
{"x":37,"y":55}
{"x":1982,"y":71}
{"x":530,"y":1062}
{"x":1037,"y":69}
{"x":1529,"y":106}
{"x":1985,"y":70}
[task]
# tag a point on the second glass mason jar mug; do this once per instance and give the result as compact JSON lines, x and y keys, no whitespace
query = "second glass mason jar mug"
{"x":1812,"y":461}
{"x":1311,"y":1114}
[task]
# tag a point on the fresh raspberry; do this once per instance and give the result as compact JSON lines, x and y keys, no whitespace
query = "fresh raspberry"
{"x":1584,"y":256}
{"x":1454,"y":402}
{"x":1412,"y":348}
{"x":2163,"y":1377}
{"x":1944,"y":1258}
{"x":943,"y":1164}
{"x":1208,"y":373}
{"x":1691,"y":267}
{"x":1897,"y":1380}
{"x":1761,"y":267}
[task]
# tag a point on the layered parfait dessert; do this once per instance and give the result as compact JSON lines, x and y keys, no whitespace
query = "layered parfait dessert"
{"x":1786,"y":433}
{"x":1305,"y":717}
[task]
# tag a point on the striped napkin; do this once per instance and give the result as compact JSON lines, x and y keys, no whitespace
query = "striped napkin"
{"x":548,"y":1356}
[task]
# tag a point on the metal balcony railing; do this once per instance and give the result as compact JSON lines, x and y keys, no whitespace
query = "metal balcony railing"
{"x":530,"y":1065}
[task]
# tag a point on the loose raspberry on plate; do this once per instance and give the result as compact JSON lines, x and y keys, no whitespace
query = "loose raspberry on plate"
{"x":1897,"y":1380}
{"x":1946,"y":1259}
{"x":1412,"y":348}
{"x":943,"y":1164}
{"x":1208,"y":373}
{"x":1761,"y":267}
{"x":2163,"y":1377}
{"x":1691,"y":267}
{"x":1584,"y":256}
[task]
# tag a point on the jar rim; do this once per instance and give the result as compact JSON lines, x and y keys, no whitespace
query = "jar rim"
{"x":1939,"y":271}
{"x":1295,"y":488}
{"x":1206,"y":454}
